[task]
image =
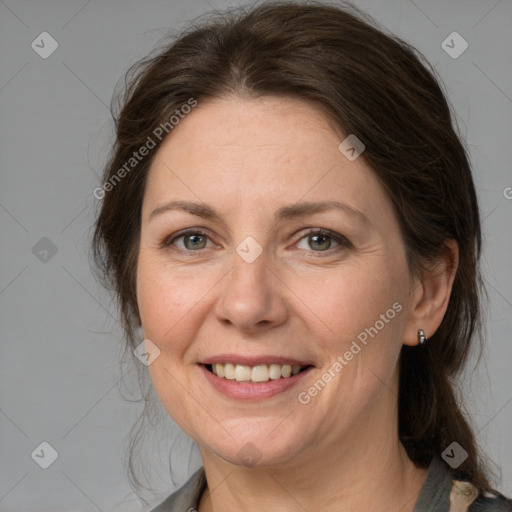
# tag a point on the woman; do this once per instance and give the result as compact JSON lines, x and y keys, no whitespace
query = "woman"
{"x":290,"y":217}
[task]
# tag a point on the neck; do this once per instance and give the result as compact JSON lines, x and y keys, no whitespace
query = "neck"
{"x":369,"y":471}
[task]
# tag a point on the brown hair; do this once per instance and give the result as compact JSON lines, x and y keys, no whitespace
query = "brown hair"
{"x":370,"y":84}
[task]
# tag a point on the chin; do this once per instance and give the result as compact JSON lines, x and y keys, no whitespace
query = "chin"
{"x":259,"y":449}
{"x":250,"y":456}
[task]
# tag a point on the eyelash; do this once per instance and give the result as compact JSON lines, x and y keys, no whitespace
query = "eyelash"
{"x":339,"y":239}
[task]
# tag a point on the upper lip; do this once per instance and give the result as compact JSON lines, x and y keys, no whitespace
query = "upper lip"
{"x":254,"y":360}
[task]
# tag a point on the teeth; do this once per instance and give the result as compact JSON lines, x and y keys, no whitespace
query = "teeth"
{"x":242,"y":372}
{"x":259,"y":373}
{"x":229,"y":371}
{"x":274,"y":371}
{"x":295,"y":369}
{"x":220,"y":369}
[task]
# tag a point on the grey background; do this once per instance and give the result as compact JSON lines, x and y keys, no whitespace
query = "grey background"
{"x":60,"y":344}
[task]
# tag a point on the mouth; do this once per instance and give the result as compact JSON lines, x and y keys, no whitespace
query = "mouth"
{"x":244,"y":377}
{"x":259,"y":381}
{"x":255,"y":374}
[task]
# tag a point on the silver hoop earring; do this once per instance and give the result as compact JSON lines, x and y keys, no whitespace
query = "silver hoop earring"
{"x":422,"y":338}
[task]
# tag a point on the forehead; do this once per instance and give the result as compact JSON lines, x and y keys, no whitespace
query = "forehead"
{"x":267,"y":150}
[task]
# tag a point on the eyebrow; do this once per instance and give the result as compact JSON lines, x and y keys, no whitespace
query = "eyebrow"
{"x":286,"y":212}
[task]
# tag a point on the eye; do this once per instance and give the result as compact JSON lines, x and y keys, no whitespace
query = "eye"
{"x":317,"y":240}
{"x":192,"y":240}
{"x":321,"y":240}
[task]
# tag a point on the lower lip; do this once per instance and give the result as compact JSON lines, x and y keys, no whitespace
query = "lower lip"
{"x":252,"y":390}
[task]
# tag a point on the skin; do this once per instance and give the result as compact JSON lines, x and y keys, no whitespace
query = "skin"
{"x":246,"y":158}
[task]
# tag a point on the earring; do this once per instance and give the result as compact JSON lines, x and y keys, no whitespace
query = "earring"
{"x":422,"y":338}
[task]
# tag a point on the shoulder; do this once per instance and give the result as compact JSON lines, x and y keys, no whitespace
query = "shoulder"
{"x":186,"y":498}
{"x":444,"y":491}
{"x":464,"y":497}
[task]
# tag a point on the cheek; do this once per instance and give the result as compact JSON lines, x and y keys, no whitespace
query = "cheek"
{"x":365,"y":312}
{"x":172,"y":313}
{"x":169,"y":304}
{"x":359,"y":324}
{"x":349,"y":301}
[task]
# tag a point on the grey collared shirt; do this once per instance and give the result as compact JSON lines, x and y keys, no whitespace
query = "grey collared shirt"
{"x":439,"y":494}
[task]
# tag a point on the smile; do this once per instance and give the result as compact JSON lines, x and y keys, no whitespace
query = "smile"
{"x":261,"y":381}
{"x":258,"y":373}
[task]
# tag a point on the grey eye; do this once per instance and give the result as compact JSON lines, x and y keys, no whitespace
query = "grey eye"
{"x":193,"y":241}
{"x":318,"y":242}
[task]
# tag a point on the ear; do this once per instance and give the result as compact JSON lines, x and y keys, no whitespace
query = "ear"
{"x":431,"y":294}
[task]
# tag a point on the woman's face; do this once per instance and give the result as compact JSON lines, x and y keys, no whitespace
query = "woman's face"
{"x":253,"y":284}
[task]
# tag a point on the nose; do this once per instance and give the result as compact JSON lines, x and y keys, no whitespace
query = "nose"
{"x":252,"y":297}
